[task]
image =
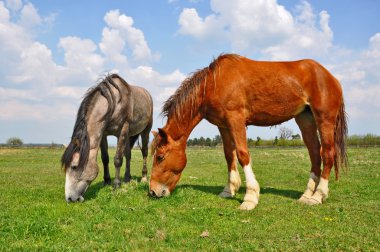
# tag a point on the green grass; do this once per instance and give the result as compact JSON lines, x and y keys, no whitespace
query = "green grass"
{"x":34,"y":215}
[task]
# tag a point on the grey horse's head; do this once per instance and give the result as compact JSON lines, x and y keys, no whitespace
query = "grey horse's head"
{"x":79,"y":172}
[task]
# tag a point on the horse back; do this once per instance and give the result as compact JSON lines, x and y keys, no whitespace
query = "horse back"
{"x":267,"y":93}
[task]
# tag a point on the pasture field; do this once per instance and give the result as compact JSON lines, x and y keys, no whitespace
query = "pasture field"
{"x":34,"y":215}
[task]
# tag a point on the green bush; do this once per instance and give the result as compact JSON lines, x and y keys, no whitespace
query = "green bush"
{"x":14,"y":142}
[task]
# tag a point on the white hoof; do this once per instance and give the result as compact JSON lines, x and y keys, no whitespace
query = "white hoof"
{"x":310,"y":201}
{"x":304,"y":199}
{"x":316,"y":199}
{"x":247,"y":205}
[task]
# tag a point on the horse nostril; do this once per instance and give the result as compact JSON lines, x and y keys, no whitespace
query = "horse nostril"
{"x":163,"y":192}
{"x":69,"y":199}
{"x":152,"y":193}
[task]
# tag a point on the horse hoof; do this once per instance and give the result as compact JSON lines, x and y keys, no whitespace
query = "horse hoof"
{"x":226,"y":195}
{"x":144,"y":180}
{"x":310,"y":201}
{"x":247,"y":205}
{"x":304,"y":199}
{"x":116,"y":185}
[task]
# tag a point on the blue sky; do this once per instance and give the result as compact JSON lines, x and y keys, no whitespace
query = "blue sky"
{"x":51,"y":52}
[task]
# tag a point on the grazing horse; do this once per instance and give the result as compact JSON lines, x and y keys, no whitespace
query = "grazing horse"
{"x":115,"y":108}
{"x":233,"y":92}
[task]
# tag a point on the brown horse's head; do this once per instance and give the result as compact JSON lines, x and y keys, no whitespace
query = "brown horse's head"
{"x":169,"y":160}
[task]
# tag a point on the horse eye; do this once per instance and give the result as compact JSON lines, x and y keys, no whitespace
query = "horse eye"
{"x":160,"y":158}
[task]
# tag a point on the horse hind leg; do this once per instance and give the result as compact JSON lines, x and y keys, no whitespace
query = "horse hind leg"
{"x":234,"y":181}
{"x":325,"y":119}
{"x":308,"y":127}
{"x":328,"y":157}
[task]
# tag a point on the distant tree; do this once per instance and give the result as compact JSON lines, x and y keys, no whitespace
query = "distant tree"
{"x":250,"y":142}
{"x":202,"y":141}
{"x":258,"y":141}
{"x":275,"y":142}
{"x":285,"y":133}
{"x":296,"y":136}
{"x":208,"y":141}
{"x":14,"y":141}
{"x":190,"y":142}
{"x":217,"y":140}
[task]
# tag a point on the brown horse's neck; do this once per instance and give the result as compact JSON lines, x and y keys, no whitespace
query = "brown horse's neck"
{"x":180,"y":130}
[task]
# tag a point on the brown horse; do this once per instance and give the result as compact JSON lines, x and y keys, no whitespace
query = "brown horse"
{"x":233,"y":92}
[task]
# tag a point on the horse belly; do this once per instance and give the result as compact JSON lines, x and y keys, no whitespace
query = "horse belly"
{"x":137,"y":127}
{"x":275,"y":114}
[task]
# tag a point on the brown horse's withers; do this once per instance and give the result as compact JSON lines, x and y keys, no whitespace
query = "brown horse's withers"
{"x":233,"y":92}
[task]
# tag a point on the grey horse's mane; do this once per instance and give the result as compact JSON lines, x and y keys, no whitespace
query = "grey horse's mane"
{"x":80,"y":141}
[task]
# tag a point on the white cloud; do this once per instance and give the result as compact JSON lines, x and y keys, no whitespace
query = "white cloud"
{"x":148,"y":76}
{"x":20,"y":110}
{"x":245,"y":24}
{"x":119,"y":29}
{"x":29,"y":16}
{"x":35,"y":87}
{"x":81,"y":58}
{"x":193,"y":25}
{"x":14,"y":5}
{"x":360,"y":78}
{"x":264,"y":27}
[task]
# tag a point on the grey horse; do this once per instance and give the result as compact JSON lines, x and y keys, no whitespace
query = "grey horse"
{"x":113,"y":107}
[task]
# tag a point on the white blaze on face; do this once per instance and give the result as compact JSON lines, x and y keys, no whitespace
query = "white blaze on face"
{"x":69,"y":184}
{"x":74,"y":188}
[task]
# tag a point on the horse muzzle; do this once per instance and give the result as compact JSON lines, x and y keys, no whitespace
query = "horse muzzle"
{"x":74,"y":199}
{"x":159,"y":191}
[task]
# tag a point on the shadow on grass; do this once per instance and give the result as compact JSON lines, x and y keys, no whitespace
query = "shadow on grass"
{"x":264,"y":190}
{"x":94,"y":188}
{"x":281,"y":192}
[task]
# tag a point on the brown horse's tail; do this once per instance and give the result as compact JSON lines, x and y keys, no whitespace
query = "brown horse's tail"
{"x":340,"y":160}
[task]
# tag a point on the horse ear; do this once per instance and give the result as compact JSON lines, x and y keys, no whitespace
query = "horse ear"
{"x":75,"y":159}
{"x":76,"y":142}
{"x":164,"y":136}
{"x":154,"y":133}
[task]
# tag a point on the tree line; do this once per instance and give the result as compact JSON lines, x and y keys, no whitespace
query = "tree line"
{"x":285,"y":138}
{"x":289,"y":140}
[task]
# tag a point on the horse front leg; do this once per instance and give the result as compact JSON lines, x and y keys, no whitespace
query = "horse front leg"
{"x":128,"y":156}
{"x":234,"y":180}
{"x":144,"y":151}
{"x":122,"y":142}
{"x":238,"y":133}
{"x":105,"y":160}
